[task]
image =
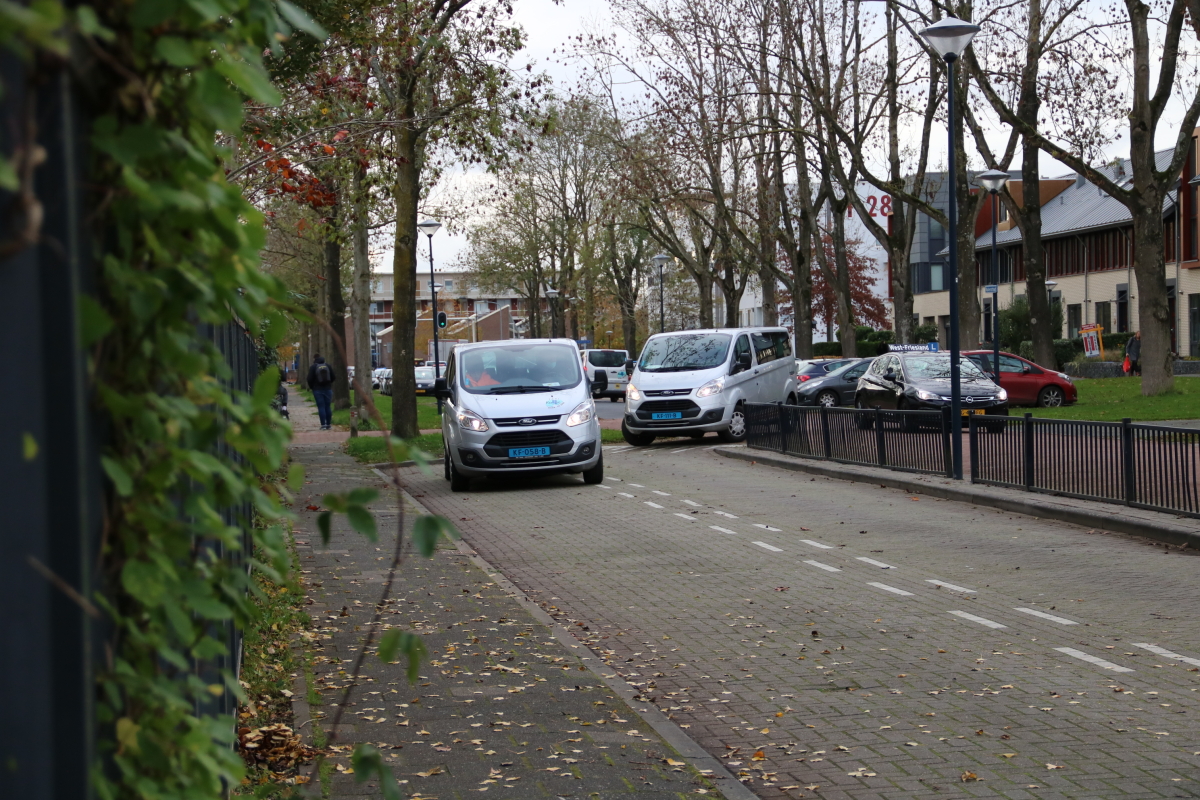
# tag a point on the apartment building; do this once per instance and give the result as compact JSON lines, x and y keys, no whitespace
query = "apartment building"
{"x":1087,"y":237}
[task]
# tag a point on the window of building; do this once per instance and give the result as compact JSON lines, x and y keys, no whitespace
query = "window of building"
{"x":1104,"y":316}
{"x":1074,"y":320}
{"x":449,"y":284}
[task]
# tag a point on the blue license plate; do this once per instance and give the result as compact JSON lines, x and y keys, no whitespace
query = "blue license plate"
{"x":528,"y":452}
{"x":667,"y":415}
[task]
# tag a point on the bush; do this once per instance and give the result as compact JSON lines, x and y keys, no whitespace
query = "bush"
{"x":923,"y":334}
{"x":826,"y":349}
{"x":1024,"y":350}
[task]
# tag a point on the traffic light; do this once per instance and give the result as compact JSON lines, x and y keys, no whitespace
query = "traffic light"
{"x":442,"y":321}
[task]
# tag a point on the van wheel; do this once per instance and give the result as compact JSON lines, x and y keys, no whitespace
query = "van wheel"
{"x":791,"y":400}
{"x":737,"y":426}
{"x":636,"y":439}
{"x":596,"y":473}
{"x":445,"y":460}
{"x":696,"y":435}
{"x":458,"y":481}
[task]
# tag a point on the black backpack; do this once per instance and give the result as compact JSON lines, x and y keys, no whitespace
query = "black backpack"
{"x":324,"y":374}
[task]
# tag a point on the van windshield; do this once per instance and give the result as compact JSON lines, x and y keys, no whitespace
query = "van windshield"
{"x":685,"y":351}
{"x":520,"y":369}
{"x":607,"y":358}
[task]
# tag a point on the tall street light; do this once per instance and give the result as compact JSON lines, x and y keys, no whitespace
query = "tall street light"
{"x":552,"y":296}
{"x":994,"y":180}
{"x":949,"y":37}
{"x":429,"y":227}
{"x":660,"y":261}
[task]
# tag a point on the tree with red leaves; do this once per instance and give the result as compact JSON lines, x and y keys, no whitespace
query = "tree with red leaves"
{"x":866,"y":309}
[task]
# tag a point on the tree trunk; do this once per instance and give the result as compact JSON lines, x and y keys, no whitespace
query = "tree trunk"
{"x":1154,"y":314}
{"x":336,"y":305}
{"x":361,"y":310}
{"x":847,"y":334}
{"x":404,"y":269}
{"x":704,"y":285}
{"x":306,"y":356}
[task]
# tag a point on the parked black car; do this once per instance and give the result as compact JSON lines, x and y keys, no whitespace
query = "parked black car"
{"x":921,"y":381}
{"x":808,"y":370}
{"x":834,"y":388}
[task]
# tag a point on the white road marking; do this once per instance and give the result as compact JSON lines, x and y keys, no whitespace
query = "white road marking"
{"x":891,"y":589}
{"x":1153,"y":648}
{"x":1099,"y":662}
{"x":825,"y":567}
{"x":767,"y":527}
{"x":724,"y":514}
{"x":817,"y":544}
{"x":770,"y":547}
{"x":951,"y":586}
{"x":617,"y":449}
{"x":688,"y":517}
{"x":625,"y":494}
{"x":875,"y":563}
{"x":636,"y":485}
{"x":662,"y":494}
{"x":601,"y":486}
{"x":680,"y":450}
{"x":691,"y":503}
{"x":652,"y":505}
{"x":722,"y":530}
{"x":611,"y":478}
{"x":1044,"y":615}
{"x":980,"y":620}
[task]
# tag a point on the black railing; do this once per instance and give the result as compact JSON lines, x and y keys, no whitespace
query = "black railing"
{"x":910,"y":441}
{"x":1145,"y":466}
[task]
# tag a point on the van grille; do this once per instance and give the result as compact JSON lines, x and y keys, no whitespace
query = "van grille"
{"x":509,"y":422}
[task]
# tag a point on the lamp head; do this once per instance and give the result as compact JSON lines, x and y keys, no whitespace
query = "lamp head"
{"x":660,"y":259}
{"x":429,"y":227}
{"x":949,"y":37}
{"x":944,"y":252}
{"x":993,"y":180}
{"x":552,"y":293}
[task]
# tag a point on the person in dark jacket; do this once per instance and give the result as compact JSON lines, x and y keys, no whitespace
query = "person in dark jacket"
{"x":1133,"y":351}
{"x":320,"y":380}
{"x":280,"y":402}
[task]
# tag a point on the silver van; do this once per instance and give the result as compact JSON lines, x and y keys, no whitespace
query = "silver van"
{"x":521,"y":406}
{"x":688,"y":383}
{"x":606,"y":371}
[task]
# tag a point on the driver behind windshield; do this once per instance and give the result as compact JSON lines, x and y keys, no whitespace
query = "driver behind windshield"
{"x":476,"y":373}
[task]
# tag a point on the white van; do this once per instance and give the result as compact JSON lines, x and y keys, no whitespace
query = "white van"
{"x":521,"y":406}
{"x":606,"y":372}
{"x":690,"y":382}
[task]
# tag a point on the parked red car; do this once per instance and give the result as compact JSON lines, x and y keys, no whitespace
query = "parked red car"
{"x":1027,"y":384}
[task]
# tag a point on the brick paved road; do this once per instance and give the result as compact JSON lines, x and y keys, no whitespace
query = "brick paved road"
{"x":741,"y":598}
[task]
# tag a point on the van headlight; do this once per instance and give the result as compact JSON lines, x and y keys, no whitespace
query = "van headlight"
{"x":582,"y":413}
{"x":712,"y":387}
{"x":469,"y":420}
{"x":633,"y":393}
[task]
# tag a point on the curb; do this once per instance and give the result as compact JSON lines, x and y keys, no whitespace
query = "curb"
{"x":1158,"y":526}
{"x":687,"y":747}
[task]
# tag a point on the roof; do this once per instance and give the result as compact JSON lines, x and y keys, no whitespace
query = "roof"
{"x":1083,"y":206}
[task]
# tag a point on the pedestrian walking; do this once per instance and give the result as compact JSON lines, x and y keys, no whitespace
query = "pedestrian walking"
{"x":320,"y":380}
{"x":1133,"y":352}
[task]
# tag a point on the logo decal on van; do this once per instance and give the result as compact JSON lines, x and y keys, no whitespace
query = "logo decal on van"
{"x":554,"y":402}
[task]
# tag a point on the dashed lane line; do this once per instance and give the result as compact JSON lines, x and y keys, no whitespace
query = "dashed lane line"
{"x":1153,"y":648}
{"x":770,"y":547}
{"x":724,"y":514}
{"x":680,"y":450}
{"x":1099,"y":662}
{"x":875,"y":563}
{"x":722,"y":530}
{"x":981,"y":620}
{"x":951,"y":586}
{"x":624,"y":494}
{"x":611,"y":478}
{"x":1044,"y":615}
{"x":688,"y":517}
{"x":825,"y":567}
{"x":891,"y":589}
{"x":691,"y":503}
{"x":767,"y":527}
{"x":601,"y":486}
{"x":817,"y":544}
{"x":652,"y":505}
{"x":662,"y":494}
{"x":636,"y":485}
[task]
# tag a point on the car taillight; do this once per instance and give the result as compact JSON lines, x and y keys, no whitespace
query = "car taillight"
{"x":804,"y":378}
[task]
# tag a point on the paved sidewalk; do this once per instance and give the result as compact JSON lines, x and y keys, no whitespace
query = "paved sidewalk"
{"x":307,"y":429}
{"x":846,"y":640}
{"x":503,"y":709}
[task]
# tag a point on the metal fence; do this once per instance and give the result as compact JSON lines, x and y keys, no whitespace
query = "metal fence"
{"x":909,"y":441}
{"x":1145,"y":466}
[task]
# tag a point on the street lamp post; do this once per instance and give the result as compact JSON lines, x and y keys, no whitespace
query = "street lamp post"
{"x":608,"y":338}
{"x":994,"y":180}
{"x":429,"y":227}
{"x":552,"y":296}
{"x":660,"y":261}
{"x":949,"y":37}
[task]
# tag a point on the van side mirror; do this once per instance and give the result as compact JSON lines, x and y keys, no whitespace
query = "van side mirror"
{"x":629,"y":365}
{"x":744,"y":361}
{"x":440,"y":388}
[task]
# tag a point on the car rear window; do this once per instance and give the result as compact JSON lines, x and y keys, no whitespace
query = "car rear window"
{"x":607,"y":358}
